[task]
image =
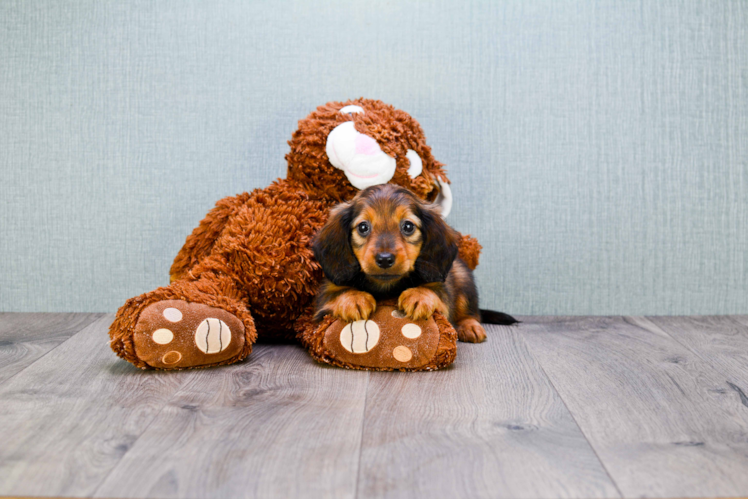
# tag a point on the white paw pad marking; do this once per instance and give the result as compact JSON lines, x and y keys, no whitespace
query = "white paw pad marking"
{"x":162,"y":336}
{"x":172,"y":314}
{"x":402,"y":354}
{"x":411,"y":331}
{"x":360,"y":336}
{"x":398,"y":314}
{"x":212,"y":336}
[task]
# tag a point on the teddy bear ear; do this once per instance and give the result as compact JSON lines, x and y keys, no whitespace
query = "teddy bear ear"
{"x":416,"y":164}
{"x":351,"y":109}
{"x":444,"y":198}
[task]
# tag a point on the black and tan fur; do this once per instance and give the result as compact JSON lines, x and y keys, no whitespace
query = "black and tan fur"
{"x":388,"y":243}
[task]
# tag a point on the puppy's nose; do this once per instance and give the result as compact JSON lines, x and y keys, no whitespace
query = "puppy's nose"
{"x":384,"y":260}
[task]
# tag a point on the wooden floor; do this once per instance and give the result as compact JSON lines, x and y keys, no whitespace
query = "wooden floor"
{"x":555,"y":407}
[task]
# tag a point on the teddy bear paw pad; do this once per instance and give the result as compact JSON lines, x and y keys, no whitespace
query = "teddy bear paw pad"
{"x":181,"y":334}
{"x":360,"y":336}
{"x":387,"y":340}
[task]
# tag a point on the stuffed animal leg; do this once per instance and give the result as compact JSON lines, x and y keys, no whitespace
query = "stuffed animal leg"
{"x":250,"y":254}
{"x":190,"y":323}
{"x":387,"y":341}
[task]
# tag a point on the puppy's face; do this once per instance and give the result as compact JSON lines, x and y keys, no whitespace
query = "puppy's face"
{"x":386,"y":237}
{"x":382,"y":236}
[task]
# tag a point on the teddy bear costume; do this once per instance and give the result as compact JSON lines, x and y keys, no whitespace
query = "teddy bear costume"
{"x":248,"y":268}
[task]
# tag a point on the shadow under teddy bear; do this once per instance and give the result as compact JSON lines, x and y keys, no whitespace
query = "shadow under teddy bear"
{"x":248,"y":268}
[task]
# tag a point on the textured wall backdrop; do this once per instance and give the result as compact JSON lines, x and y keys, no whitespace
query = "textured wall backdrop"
{"x":598,"y":150}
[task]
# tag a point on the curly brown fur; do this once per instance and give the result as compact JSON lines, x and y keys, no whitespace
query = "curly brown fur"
{"x":251,"y":254}
{"x":387,"y":243}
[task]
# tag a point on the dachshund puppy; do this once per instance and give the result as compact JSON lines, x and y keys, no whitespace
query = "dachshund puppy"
{"x":387,"y":243}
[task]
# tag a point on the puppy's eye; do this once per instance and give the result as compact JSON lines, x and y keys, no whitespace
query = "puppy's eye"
{"x":407,"y":228}
{"x":363,"y":228}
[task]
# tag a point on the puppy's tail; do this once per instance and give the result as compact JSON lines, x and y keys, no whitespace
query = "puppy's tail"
{"x":496,"y":318}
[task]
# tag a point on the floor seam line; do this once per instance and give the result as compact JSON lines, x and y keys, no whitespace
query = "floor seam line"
{"x":361,"y":440}
{"x":50,"y":351}
{"x":571,"y":414}
{"x":711,"y":365}
{"x":158,"y":413}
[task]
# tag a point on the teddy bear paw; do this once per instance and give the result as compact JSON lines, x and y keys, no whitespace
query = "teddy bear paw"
{"x":389,"y":339}
{"x":179,"y":334}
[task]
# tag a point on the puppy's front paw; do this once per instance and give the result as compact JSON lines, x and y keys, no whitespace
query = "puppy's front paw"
{"x":354,"y":305}
{"x":469,"y":330}
{"x":419,"y":303}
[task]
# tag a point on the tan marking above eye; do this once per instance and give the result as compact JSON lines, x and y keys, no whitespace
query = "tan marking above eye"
{"x":406,"y":213}
{"x":358,"y":220}
{"x":408,"y":225}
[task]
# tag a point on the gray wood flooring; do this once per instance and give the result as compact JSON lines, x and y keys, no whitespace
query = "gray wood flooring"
{"x":554,"y":407}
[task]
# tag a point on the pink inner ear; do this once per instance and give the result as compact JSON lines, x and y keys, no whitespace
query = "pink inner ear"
{"x":365,"y":145}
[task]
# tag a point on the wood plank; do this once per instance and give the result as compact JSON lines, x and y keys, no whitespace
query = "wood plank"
{"x":26,"y":337}
{"x":71,"y":416}
{"x":664,"y":422}
{"x":721,"y":341}
{"x":278,"y":426}
{"x":490,"y":426}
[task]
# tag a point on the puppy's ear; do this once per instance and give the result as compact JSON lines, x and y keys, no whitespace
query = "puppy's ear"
{"x":439,"y":247}
{"x":332,"y":247}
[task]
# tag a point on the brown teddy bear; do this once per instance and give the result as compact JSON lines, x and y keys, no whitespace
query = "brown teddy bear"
{"x":248,"y":268}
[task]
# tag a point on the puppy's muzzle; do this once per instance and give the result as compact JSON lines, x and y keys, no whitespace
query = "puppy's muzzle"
{"x":384,"y":260}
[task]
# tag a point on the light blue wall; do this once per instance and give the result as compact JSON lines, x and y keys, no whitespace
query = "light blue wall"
{"x":598,"y":150}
